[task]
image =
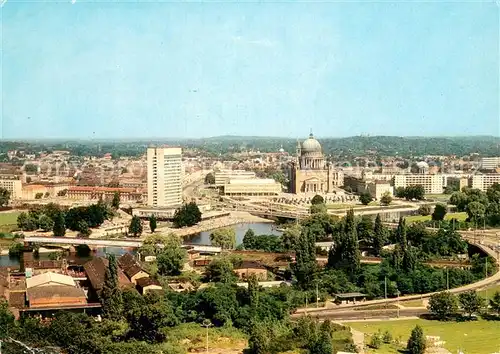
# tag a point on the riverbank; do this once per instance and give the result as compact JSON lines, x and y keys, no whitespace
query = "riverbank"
{"x":235,"y":218}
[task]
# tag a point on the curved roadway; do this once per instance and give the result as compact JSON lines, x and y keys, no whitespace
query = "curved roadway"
{"x":491,"y":248}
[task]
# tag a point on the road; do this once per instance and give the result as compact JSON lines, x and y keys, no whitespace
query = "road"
{"x":487,"y":246}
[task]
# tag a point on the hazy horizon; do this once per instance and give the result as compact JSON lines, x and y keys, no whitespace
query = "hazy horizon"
{"x":123,"y":70}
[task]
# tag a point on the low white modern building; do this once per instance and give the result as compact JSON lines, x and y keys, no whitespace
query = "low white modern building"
{"x":484,"y":181}
{"x":252,"y":187}
{"x":223,"y":176}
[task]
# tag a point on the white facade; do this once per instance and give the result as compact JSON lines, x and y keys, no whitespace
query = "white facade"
{"x":252,"y":187}
{"x":223,"y":176}
{"x":164,"y":177}
{"x":14,"y":186}
{"x":489,"y":163}
{"x":433,"y":184}
{"x":483,"y":182}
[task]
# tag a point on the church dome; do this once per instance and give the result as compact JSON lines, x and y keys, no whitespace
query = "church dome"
{"x":311,"y":145}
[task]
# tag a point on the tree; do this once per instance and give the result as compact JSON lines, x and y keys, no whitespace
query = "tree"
{"x":290,"y":237}
{"x":83,"y":229}
{"x":135,"y":227}
{"x":45,"y":223}
{"x":386,"y":198}
{"x":322,"y":345}
{"x":152,"y":223}
{"x":318,"y":209}
{"x":116,"y":200}
{"x":6,"y":320}
{"x":220,"y":270}
{"x":379,"y":236}
{"x":495,"y":302}
{"x":317,"y":199}
{"x":460,"y":200}
{"x":27,"y":222}
{"x":249,"y":240}
{"x":345,"y":254}
{"x":439,"y":212}
{"x":475,"y":211}
{"x":365,"y":198}
{"x":443,"y":305}
{"x":187,"y":215}
{"x":400,"y":192}
{"x":4,"y":197}
{"x":305,"y":266}
{"x":471,"y":302}
{"x":110,"y":295}
{"x":210,"y":178}
{"x":59,"y":228}
{"x":416,"y":342}
{"x":171,"y":257}
{"x":224,"y":238}
{"x":424,"y":210}
{"x":39,"y":195}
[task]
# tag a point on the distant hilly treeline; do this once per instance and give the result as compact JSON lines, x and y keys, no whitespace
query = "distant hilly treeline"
{"x":350,"y":146}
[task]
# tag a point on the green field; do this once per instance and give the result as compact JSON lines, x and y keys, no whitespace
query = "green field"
{"x":461,"y":216}
{"x":471,"y":337}
{"x":9,"y":218}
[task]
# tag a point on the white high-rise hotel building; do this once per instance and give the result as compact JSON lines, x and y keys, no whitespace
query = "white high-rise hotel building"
{"x":164,"y":176}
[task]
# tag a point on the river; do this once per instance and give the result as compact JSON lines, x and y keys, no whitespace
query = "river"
{"x":202,"y":238}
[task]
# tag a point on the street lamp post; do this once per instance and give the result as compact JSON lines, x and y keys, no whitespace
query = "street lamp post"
{"x":206,"y":323}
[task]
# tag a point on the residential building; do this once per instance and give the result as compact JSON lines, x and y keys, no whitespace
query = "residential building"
{"x":131,"y":268}
{"x":310,"y":173}
{"x":165,"y":173}
{"x":484,"y":181}
{"x":96,"y":274}
{"x":248,"y":268}
{"x":433,"y":184}
{"x":53,"y":290}
{"x":489,"y":163}
{"x":146,"y":285}
{"x":104,"y":193}
{"x":224,"y":176}
{"x":12,"y":184}
{"x":252,"y":187}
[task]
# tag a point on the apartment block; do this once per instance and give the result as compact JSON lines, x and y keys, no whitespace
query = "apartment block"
{"x":13,"y":184}
{"x":485,"y":181}
{"x":432,"y":183}
{"x":489,"y":163}
{"x":164,"y":176}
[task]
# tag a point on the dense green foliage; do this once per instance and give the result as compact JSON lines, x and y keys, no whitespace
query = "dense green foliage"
{"x":411,"y":192}
{"x":483,"y":208}
{"x":135,"y":227}
{"x":152,"y":223}
{"x":416,"y":342}
{"x":4,"y":197}
{"x":187,"y":215}
{"x":224,"y":238}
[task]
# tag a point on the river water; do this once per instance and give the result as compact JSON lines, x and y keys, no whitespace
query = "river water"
{"x":202,"y":238}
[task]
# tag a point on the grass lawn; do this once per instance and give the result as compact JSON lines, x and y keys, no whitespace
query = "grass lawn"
{"x":471,"y":337}
{"x":489,"y":292}
{"x":9,"y":218}
{"x":440,"y":197}
{"x":461,"y":216}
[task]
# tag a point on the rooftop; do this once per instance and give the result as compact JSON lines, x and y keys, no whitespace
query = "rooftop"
{"x":57,"y":293}
{"x":250,"y":265}
{"x":253,"y":181}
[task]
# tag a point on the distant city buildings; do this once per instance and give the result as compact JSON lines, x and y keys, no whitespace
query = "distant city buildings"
{"x":489,"y":163}
{"x":310,"y":173}
{"x":13,"y":185}
{"x":165,"y":171}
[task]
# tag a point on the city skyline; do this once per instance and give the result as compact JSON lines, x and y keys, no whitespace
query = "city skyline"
{"x":137,"y":71}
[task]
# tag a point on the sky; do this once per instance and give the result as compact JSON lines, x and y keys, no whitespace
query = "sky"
{"x":115,"y":69}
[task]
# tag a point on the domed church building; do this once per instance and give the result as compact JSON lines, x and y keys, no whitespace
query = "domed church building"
{"x":310,"y":173}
